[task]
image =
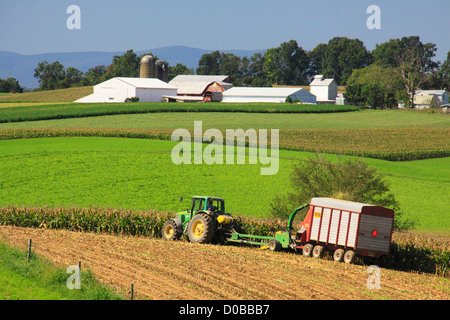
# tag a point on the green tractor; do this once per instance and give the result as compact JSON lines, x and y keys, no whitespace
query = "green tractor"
{"x":205,"y":222}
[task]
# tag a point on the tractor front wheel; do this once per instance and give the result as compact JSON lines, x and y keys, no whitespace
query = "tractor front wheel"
{"x":201,"y":228}
{"x":170,"y":231}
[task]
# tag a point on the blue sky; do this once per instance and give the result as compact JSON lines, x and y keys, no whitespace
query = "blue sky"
{"x":39,"y":26}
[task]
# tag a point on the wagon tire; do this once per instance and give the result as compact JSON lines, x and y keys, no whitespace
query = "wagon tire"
{"x":338,"y":255}
{"x":317,"y":252}
{"x":349,"y":257}
{"x":307,"y":250}
{"x":274,"y":245}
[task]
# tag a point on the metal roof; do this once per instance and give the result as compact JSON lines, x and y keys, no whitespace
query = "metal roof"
{"x":437,"y":92}
{"x":196,"y":84}
{"x":339,"y":204}
{"x":200,"y":78}
{"x":320,"y":81}
{"x":152,"y":83}
{"x":265,"y":92}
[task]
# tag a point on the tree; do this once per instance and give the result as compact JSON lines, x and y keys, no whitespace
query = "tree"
{"x":342,"y":56}
{"x":353,"y":94}
{"x":93,"y":76}
{"x":444,"y":73}
{"x":51,"y":76}
{"x":351,"y":180}
{"x":286,"y":64}
{"x":410,"y":59}
{"x":439,"y":78}
{"x":256,"y":74}
{"x":54,"y":76}
{"x":316,"y":57}
{"x":126,"y":65}
{"x":373,"y":95}
{"x":10,"y":85}
{"x":230,"y":64}
{"x":209,"y":64}
{"x":179,"y":69}
{"x":73,"y":77}
{"x":414,"y":64}
{"x":374,"y":86}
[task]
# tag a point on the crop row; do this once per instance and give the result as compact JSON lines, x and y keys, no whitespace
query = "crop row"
{"x":77,"y":110}
{"x":112,"y":221}
{"x":407,"y":256}
{"x":393,"y":144}
{"x":400,"y":144}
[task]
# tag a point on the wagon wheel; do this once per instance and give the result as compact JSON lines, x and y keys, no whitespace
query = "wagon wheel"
{"x":201,"y":228}
{"x":274,"y":245}
{"x":338,"y":255}
{"x":349,"y":256}
{"x":307,"y":250}
{"x":170,"y":231}
{"x":317,"y":252}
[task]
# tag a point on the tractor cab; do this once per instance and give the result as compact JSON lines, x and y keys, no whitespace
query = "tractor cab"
{"x":212,"y":205}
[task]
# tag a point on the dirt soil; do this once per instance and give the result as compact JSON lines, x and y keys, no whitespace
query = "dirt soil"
{"x":182,"y":270}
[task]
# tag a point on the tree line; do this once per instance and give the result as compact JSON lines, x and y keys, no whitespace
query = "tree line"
{"x":393,"y":71}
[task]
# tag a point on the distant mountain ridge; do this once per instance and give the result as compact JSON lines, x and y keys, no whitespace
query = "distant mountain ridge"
{"x":22,"y":67}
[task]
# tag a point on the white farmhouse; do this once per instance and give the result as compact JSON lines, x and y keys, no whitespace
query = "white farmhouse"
{"x":267,"y":94}
{"x":325,"y":90}
{"x":118,"y":89}
{"x":441,"y":95}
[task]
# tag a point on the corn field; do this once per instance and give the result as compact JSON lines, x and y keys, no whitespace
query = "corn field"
{"x":399,"y":144}
{"x":409,"y":254}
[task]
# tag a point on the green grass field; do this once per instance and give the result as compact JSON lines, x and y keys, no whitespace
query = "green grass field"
{"x":81,"y":110}
{"x":59,"y":95}
{"x":139,"y":174}
{"x":366,"y":119}
{"x":39,"y":279}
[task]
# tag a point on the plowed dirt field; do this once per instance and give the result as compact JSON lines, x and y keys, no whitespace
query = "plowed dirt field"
{"x":181,"y":270}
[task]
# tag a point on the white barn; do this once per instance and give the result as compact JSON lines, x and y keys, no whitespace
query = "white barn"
{"x":267,"y":94}
{"x":441,"y":95}
{"x":325,"y":90}
{"x":118,"y":89}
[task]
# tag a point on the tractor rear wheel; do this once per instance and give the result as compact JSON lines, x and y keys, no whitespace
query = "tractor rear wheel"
{"x":170,"y":231}
{"x":201,"y":228}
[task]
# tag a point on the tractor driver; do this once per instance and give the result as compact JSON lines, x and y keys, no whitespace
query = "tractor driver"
{"x":211,"y":209}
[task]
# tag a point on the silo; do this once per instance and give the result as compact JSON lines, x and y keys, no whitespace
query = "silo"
{"x":148,"y":67}
{"x":163,"y":70}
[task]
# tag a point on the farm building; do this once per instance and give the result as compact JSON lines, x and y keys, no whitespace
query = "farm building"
{"x":340,"y":99}
{"x":118,"y":89}
{"x":325,"y":90}
{"x":263,"y":94}
{"x":197,"y":88}
{"x":441,"y":95}
{"x":426,"y":101}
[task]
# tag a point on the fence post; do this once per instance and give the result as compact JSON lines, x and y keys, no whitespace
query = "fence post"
{"x":132,"y":291}
{"x":29,"y":250}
